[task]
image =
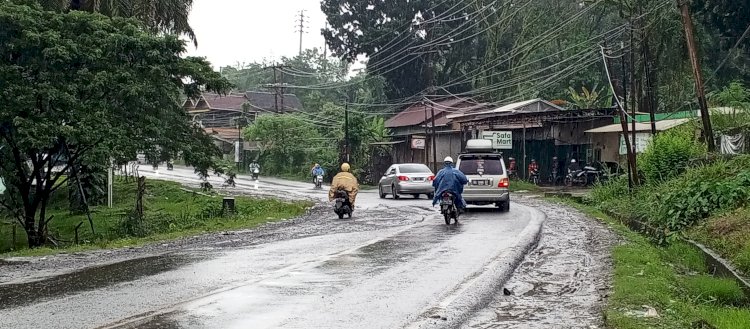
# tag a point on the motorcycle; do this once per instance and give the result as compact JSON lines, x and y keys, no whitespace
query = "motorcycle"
{"x":255,"y":174}
{"x":534,"y":177}
{"x":319,"y":181}
{"x":342,"y":206}
{"x":448,"y":208}
{"x":586,"y":176}
{"x":170,"y":166}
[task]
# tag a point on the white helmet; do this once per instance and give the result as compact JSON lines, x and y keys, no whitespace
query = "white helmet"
{"x":448,"y":159}
{"x":573,"y":161}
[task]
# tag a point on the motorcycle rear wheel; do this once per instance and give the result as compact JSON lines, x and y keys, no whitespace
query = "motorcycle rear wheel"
{"x":447,"y":218}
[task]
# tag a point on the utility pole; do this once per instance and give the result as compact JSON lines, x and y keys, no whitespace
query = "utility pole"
{"x":277,"y":86}
{"x":687,"y":23}
{"x":434,"y":145}
{"x":634,"y":102}
{"x":301,"y":27}
{"x":426,"y":133}
{"x":346,"y":129}
{"x":623,"y":121}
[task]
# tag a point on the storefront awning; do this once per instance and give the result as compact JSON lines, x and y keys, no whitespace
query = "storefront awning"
{"x":640,"y":126}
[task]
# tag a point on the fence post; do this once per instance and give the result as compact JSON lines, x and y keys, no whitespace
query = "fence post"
{"x":13,"y":246}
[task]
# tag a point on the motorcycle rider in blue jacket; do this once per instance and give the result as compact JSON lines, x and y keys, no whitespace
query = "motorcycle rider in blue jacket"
{"x":317,"y":170}
{"x":452,"y":180}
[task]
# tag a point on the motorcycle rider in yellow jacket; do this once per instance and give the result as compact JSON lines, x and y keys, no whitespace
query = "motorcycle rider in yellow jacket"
{"x":344,"y":181}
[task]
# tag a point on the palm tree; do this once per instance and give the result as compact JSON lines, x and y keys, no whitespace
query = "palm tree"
{"x":170,"y":16}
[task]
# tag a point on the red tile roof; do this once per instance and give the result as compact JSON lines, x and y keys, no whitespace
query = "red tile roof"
{"x":224,"y":102}
{"x":230,"y":134}
{"x":416,"y":114}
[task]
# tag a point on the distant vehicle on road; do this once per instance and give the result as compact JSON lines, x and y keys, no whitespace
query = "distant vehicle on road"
{"x":407,"y":178}
{"x":488,"y":179}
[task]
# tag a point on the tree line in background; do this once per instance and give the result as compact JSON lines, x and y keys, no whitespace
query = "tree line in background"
{"x":511,"y":50}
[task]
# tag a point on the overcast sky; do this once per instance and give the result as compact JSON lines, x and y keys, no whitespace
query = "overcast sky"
{"x":231,"y":31}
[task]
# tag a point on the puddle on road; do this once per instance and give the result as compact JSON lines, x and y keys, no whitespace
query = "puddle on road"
{"x":22,"y":294}
{"x":397,"y":249}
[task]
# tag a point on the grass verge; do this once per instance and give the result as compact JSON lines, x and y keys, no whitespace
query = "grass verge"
{"x":729,"y":235}
{"x":522,"y":185}
{"x":170,"y":212}
{"x":672,"y":280}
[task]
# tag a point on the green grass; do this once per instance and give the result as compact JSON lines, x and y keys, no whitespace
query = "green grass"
{"x":673,"y":280}
{"x":170,"y":213}
{"x":521,"y":185}
{"x":729,"y":235}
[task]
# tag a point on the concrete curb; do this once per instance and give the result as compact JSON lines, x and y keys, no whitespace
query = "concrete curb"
{"x":479,"y":290}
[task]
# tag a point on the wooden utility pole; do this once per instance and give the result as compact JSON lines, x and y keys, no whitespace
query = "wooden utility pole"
{"x":687,"y":23}
{"x":277,"y":86}
{"x":426,"y":133}
{"x":346,"y":130}
{"x":632,"y":172}
{"x":434,"y":139}
{"x":634,"y":106}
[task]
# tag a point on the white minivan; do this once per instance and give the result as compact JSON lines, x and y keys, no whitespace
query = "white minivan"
{"x":485,"y":170}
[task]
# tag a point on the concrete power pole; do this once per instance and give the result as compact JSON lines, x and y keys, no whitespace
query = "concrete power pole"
{"x":687,"y":23}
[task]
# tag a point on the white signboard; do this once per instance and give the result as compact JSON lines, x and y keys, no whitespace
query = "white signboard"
{"x":501,"y":140}
{"x":237,"y":151}
{"x":641,"y":142}
{"x":417,"y":143}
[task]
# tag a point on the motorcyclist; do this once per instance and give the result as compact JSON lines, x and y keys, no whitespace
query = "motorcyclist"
{"x":512,"y":166}
{"x":253,"y":165}
{"x":344,"y":181}
{"x":574,"y":167}
{"x":317,"y":171}
{"x":450,"y":179}
{"x":533,"y":167}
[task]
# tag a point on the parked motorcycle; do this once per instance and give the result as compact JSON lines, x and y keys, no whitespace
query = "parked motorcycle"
{"x":448,"y":208}
{"x":341,"y":205}
{"x":319,"y":181}
{"x":255,"y":174}
{"x":586,"y":176}
{"x":534,"y":177}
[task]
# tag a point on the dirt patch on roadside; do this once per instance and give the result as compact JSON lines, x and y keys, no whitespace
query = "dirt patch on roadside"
{"x":563,"y":283}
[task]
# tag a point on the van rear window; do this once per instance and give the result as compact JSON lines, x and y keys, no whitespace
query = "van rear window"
{"x":481,"y":164}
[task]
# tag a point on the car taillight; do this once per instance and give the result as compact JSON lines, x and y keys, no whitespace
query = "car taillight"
{"x":403,"y":178}
{"x":503,"y":183}
{"x":431,"y":178}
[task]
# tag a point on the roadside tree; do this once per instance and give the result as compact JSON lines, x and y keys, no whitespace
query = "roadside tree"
{"x":79,"y":86}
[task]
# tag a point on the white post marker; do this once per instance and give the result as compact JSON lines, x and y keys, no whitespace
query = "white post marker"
{"x":109,"y":183}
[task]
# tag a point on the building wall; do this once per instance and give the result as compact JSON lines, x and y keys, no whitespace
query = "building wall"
{"x":609,"y":146}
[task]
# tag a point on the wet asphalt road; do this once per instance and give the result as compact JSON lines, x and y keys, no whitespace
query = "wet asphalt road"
{"x":383,"y":277}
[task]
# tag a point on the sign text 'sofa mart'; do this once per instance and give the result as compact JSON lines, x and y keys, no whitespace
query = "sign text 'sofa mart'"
{"x":501,"y":140}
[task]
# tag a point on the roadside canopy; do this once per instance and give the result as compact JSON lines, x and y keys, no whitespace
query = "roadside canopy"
{"x":640,"y":126}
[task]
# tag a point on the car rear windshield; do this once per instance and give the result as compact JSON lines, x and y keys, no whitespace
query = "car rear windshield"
{"x":413,"y":169}
{"x":484,"y":164}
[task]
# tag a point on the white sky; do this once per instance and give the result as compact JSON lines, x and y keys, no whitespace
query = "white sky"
{"x":232,"y":31}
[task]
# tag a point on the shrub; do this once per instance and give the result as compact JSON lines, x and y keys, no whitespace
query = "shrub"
{"x":669,"y":153}
{"x":694,"y":197}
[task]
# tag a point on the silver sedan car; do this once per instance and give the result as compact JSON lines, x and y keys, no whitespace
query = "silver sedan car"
{"x":408,"y":178}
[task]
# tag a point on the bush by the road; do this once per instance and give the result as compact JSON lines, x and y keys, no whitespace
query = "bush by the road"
{"x":169,"y":212}
{"x":700,"y":192}
{"x":669,"y":153}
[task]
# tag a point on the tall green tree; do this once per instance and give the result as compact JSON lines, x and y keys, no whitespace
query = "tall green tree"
{"x":169,"y":16}
{"x":80,"y":83}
